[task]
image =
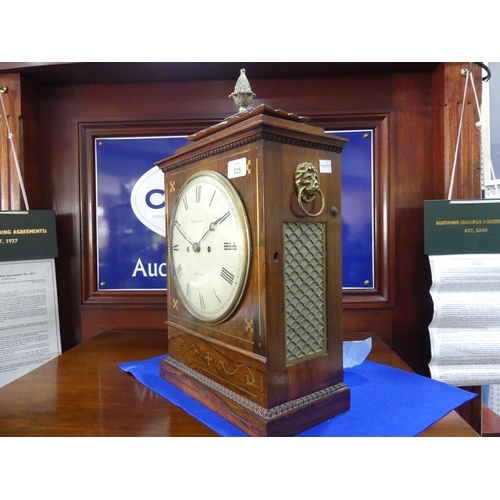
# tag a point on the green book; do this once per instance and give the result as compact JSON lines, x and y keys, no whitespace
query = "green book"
{"x":454,"y":227}
{"x":28,"y":235}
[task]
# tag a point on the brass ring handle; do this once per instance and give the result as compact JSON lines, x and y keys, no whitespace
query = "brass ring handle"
{"x":307,"y":186}
{"x":302,"y":206}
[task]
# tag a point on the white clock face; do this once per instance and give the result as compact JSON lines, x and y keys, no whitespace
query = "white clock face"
{"x":209,"y":247}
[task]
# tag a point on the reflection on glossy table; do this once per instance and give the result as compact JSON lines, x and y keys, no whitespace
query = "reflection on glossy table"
{"x":84,"y":393}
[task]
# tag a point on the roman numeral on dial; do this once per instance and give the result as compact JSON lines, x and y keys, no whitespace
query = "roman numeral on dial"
{"x":227,"y":275}
{"x":212,"y":199}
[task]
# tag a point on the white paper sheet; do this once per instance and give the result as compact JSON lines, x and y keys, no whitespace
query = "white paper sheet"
{"x":29,"y":317}
{"x":465,"y":329}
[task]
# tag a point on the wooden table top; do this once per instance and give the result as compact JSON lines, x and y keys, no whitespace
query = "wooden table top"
{"x":83,"y":392}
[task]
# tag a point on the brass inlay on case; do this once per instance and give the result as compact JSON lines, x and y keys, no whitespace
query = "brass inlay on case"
{"x":304,"y":286}
{"x":230,"y":367}
{"x":249,"y":325}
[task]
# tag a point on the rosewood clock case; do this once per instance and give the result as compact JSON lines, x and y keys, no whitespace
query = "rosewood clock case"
{"x":275,"y":367}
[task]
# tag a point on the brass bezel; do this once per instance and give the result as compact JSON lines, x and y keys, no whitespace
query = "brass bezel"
{"x":241,"y":213}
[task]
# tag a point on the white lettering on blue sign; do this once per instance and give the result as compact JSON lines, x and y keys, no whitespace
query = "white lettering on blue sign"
{"x":151,"y":270}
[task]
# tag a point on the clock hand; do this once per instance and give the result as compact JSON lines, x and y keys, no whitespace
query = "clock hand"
{"x":186,"y":237}
{"x":213,"y":226}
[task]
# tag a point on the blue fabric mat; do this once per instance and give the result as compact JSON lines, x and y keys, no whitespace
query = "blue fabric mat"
{"x":385,"y":401}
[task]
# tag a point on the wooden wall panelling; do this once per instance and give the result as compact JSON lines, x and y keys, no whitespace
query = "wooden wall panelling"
{"x":448,"y":97}
{"x":411,"y":183}
{"x":10,"y":195}
{"x":20,"y":106}
{"x":29,"y":147}
{"x":58,"y":139}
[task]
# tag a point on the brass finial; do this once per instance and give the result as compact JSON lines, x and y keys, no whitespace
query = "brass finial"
{"x":242,"y":94}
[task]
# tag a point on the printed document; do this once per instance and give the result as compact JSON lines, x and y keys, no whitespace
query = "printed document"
{"x":465,"y":329}
{"x":29,"y":317}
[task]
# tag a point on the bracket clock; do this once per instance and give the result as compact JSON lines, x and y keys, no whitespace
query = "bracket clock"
{"x":254,"y":282}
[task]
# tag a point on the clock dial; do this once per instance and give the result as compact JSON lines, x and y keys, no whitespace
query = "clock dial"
{"x":209,"y":247}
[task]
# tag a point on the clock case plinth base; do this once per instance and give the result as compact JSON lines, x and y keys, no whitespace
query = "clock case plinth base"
{"x":241,"y":368}
{"x":284,"y":420}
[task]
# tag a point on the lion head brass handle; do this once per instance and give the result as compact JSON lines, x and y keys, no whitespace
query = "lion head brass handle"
{"x":307,"y":186}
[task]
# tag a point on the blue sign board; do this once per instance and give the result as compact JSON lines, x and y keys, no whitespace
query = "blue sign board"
{"x":357,"y":210}
{"x":130,"y":226}
{"x":131,"y":212}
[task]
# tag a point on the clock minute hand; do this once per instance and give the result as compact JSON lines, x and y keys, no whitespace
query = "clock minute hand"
{"x":186,"y":237}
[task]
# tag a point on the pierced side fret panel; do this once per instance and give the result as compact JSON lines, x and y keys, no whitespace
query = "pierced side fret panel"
{"x":305,"y":285}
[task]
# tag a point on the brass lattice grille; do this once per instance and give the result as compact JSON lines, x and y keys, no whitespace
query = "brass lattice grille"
{"x":305,"y":322}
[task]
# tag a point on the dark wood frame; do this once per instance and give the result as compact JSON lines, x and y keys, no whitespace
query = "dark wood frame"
{"x":379,"y":123}
{"x":380,"y":296}
{"x":88,"y":132}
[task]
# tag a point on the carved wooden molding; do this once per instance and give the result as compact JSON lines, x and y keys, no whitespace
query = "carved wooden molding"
{"x":249,"y":405}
